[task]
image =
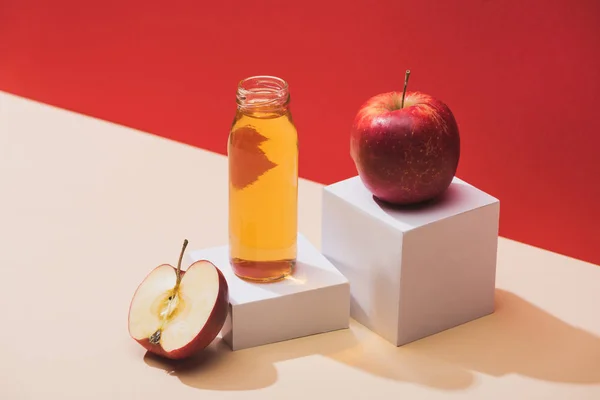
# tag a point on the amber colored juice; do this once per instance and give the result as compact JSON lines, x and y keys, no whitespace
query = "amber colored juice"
{"x":263,"y":195}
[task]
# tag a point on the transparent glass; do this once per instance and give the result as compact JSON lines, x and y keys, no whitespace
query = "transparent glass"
{"x":263,"y":181}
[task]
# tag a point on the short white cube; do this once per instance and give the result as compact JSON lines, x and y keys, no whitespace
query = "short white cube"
{"x":413,"y":271}
{"x":314,"y":299}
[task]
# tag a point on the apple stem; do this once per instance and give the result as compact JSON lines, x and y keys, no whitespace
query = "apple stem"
{"x":172,"y":301}
{"x":178,"y":281}
{"x":406,"y":76}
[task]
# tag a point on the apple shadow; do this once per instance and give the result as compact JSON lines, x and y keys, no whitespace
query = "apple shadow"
{"x":452,"y":195}
{"x":220,"y":368}
{"x":456,"y":199}
{"x":518,"y":338}
{"x":411,"y":207}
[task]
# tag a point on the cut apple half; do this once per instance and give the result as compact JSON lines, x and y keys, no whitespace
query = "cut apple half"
{"x":176,"y":314}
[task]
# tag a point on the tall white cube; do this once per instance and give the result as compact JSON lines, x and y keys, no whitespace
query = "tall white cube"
{"x":413,"y":271}
{"x":314,"y":299}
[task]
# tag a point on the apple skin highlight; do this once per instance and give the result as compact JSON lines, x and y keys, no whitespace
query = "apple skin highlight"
{"x":406,"y":155}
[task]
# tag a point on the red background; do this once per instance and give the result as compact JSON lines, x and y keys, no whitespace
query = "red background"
{"x":522,"y":77}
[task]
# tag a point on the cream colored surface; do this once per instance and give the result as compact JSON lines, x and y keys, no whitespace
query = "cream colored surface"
{"x":88,"y":208}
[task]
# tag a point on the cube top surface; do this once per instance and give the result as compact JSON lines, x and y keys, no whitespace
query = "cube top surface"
{"x":312,"y":271}
{"x":459,"y":198}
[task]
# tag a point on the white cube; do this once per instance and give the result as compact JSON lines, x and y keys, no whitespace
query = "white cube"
{"x":413,"y":271}
{"x":314,"y":299}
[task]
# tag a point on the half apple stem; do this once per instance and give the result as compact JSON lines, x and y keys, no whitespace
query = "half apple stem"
{"x":172,"y":301}
{"x":178,"y":281}
{"x":406,"y":76}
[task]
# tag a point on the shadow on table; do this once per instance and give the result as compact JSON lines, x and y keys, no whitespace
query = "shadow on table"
{"x":519,"y":338}
{"x":219,"y":368}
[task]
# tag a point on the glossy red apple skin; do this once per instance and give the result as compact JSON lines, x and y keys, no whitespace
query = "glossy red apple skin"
{"x":208,"y":333}
{"x":405,"y":155}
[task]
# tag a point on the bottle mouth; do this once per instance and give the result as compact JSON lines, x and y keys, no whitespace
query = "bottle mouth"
{"x":263,"y":92}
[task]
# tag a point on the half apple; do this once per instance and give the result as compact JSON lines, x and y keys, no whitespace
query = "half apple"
{"x":176,"y":314}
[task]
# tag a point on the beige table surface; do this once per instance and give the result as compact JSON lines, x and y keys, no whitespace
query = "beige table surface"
{"x":89,"y":207}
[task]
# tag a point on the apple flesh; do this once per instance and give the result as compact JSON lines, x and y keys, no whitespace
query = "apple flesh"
{"x":175,"y":320}
{"x":405,"y":155}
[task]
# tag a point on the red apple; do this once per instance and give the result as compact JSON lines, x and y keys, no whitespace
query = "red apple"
{"x":406,"y":146}
{"x":175,"y":314}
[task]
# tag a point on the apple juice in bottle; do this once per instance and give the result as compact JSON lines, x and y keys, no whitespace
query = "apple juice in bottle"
{"x":263,"y":181}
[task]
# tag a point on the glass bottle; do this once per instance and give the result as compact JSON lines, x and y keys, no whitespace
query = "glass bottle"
{"x":263,"y":181}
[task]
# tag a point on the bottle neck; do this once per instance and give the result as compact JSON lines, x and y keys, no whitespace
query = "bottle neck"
{"x":263,"y":94}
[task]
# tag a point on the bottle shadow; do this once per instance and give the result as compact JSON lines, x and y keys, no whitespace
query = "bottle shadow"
{"x":519,"y":338}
